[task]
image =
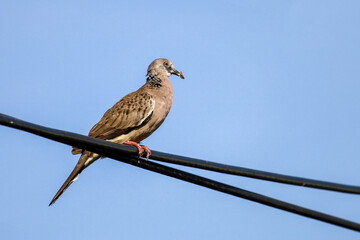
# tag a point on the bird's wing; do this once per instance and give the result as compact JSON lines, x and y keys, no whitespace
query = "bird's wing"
{"x":131,"y":112}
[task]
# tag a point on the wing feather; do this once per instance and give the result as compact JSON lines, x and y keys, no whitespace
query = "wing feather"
{"x":127,"y":114}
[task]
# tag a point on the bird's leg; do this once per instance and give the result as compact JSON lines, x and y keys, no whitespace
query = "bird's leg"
{"x":141,"y":148}
{"x":147,"y":150}
{"x":138,"y":147}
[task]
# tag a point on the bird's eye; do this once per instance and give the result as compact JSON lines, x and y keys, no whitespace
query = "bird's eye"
{"x":166,"y":64}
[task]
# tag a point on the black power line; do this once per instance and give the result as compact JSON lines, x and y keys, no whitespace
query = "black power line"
{"x":128,"y":155}
{"x":185,"y":161}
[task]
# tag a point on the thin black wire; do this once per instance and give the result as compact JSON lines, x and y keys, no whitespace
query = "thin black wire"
{"x":114,"y":151}
{"x":238,"y":192}
{"x":251,"y":173}
{"x":197,"y":163}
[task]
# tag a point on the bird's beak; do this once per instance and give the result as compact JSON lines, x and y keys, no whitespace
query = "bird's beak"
{"x":176,"y":72}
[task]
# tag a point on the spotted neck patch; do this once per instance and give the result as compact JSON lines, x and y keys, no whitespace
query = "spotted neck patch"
{"x":154,"y":81}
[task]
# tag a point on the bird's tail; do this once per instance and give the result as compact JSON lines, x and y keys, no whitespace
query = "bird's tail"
{"x":85,"y":160}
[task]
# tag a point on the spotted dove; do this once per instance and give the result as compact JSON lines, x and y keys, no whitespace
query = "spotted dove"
{"x":132,"y":119}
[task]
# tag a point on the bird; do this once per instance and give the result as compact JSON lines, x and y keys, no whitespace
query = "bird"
{"x":132,"y":119}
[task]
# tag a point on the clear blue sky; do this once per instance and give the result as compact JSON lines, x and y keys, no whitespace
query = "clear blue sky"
{"x":270,"y":85}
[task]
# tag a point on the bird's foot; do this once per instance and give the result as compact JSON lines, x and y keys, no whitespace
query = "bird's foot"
{"x":140,"y":148}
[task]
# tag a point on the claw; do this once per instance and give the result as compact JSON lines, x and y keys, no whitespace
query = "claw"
{"x":147,"y":150}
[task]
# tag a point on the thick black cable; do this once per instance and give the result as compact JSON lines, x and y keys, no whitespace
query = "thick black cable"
{"x":123,"y":154}
{"x":186,"y":161}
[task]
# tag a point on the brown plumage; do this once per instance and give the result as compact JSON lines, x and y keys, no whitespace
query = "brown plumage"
{"x":135,"y":117}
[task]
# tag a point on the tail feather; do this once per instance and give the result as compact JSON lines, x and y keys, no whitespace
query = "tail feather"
{"x":80,"y":166}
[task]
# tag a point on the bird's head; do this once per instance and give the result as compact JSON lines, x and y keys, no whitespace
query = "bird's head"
{"x":162,"y":66}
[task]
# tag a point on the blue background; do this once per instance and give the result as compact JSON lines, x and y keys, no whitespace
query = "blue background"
{"x":270,"y":85}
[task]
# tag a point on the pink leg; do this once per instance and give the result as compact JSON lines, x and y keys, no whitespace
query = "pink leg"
{"x":138,"y":147}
